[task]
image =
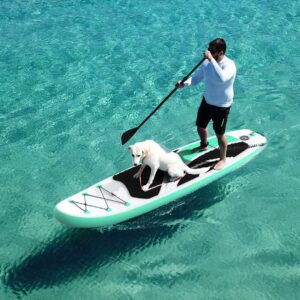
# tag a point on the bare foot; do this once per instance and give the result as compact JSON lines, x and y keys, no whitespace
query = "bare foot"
{"x":220,"y":165}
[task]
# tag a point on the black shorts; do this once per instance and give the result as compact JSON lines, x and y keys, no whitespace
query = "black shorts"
{"x":208,"y":112}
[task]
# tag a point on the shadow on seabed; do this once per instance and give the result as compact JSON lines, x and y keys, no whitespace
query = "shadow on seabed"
{"x":76,"y":252}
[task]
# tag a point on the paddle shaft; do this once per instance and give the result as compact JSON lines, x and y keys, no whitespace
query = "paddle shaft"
{"x":171,"y":93}
{"x":131,"y":132}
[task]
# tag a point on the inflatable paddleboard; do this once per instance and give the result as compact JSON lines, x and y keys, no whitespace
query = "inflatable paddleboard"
{"x":120,"y":197}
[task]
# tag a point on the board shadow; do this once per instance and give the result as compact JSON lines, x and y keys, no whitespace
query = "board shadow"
{"x":77,"y":252}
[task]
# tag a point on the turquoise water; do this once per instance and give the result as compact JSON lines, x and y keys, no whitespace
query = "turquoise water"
{"x":74,"y":75}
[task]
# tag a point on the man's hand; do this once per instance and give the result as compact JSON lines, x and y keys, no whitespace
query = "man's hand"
{"x":179,"y":84}
{"x":207,"y":54}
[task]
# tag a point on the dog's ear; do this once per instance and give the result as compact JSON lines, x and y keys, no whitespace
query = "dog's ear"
{"x":130,"y":148}
{"x":144,"y":152}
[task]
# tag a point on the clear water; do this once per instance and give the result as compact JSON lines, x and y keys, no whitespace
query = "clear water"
{"x":74,"y":75}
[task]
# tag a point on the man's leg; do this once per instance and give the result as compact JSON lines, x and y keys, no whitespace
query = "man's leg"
{"x":203,"y":133}
{"x":202,"y":121}
{"x":223,"y":151}
{"x":219,"y":123}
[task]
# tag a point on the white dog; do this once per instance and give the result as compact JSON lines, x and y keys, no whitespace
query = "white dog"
{"x":153,"y":155}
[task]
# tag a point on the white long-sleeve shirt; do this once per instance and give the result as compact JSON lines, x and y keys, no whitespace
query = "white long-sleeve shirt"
{"x":219,"y":79}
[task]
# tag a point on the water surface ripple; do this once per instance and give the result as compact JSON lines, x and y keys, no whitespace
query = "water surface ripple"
{"x":74,"y":75}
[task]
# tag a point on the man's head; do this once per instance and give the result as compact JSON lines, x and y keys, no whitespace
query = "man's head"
{"x":217,"y":48}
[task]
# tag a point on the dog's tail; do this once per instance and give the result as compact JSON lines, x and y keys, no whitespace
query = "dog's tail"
{"x":195,"y":171}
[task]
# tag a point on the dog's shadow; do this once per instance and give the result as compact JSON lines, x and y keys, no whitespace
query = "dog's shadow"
{"x":78,"y":252}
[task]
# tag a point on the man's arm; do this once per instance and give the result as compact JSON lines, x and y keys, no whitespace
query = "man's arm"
{"x":192,"y":80}
{"x":224,"y":74}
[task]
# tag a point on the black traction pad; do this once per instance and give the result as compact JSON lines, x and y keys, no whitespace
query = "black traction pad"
{"x":133,"y":184}
{"x":233,"y":150}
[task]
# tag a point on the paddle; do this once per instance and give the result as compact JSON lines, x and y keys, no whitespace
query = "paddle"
{"x":127,"y":135}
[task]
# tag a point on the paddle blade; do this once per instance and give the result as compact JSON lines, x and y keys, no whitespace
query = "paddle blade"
{"x":127,"y":135}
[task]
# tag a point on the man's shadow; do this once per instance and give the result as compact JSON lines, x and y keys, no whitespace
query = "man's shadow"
{"x":79,"y":251}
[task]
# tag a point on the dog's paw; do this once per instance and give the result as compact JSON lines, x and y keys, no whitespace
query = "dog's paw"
{"x":145,"y":188}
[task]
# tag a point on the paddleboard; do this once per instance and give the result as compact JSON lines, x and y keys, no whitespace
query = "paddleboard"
{"x":120,"y":197}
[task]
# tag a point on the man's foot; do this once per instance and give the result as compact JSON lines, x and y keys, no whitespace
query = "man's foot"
{"x":220,"y":165}
{"x":201,"y":148}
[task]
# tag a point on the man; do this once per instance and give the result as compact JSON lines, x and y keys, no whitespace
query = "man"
{"x":219,"y":73}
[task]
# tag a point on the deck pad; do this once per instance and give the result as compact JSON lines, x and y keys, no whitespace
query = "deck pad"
{"x":209,"y":159}
{"x":204,"y":159}
{"x":133,"y":184}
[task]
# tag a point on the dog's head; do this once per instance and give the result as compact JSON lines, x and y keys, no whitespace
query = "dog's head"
{"x":137,"y":153}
